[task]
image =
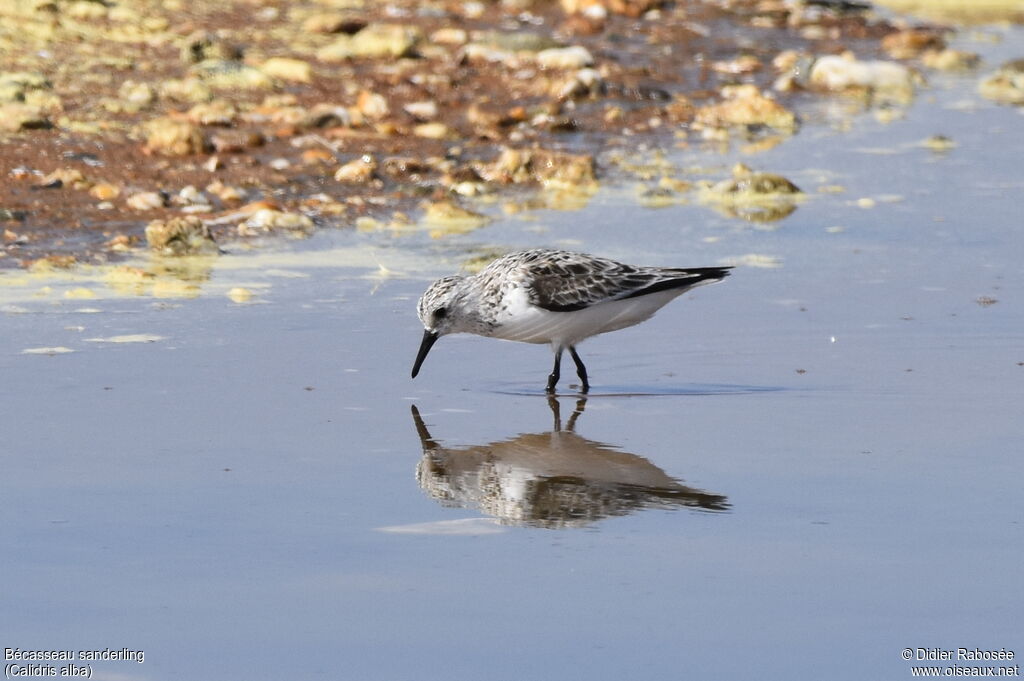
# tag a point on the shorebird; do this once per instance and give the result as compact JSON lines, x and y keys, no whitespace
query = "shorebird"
{"x":555,"y":297}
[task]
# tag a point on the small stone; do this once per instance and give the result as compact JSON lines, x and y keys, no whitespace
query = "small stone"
{"x":434,"y":131}
{"x":172,"y":137}
{"x":292,"y":70}
{"x":738,"y":66}
{"x":374,"y":42}
{"x":136,"y":95}
{"x":202,"y":45}
{"x":910,"y":43}
{"x":15,"y":117}
{"x":234,"y":141}
{"x":225,"y":74}
{"x":146,"y":201}
{"x":190,"y":196}
{"x":950,"y":60}
{"x":105,"y":192}
{"x":540,"y":165}
{"x":239,"y":294}
{"x":372,"y":104}
{"x":312,"y":156}
{"x":72,"y":178}
{"x":268,"y":220}
{"x":837,"y":73}
{"x":575,"y":57}
{"x":422,"y":111}
{"x":226,"y":193}
{"x":359,"y":171}
{"x":447,"y":217}
{"x":745,"y":105}
{"x":333,"y":22}
{"x":186,"y":235}
{"x":190,"y":90}
{"x":939,"y":143}
{"x":1006,"y":85}
{"x":216,"y":112}
{"x":449,"y":36}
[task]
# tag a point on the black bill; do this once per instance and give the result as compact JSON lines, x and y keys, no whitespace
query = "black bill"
{"x":429,"y":338}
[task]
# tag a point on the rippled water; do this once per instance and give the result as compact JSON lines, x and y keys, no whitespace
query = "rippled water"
{"x":796,"y":473}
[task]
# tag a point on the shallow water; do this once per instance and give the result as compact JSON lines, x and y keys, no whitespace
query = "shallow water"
{"x":796,"y":473}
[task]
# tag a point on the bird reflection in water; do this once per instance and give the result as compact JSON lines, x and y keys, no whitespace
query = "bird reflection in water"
{"x":556,"y":479}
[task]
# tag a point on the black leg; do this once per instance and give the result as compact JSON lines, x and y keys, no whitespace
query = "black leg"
{"x":556,"y":411}
{"x":581,"y":370}
{"x":556,"y":372}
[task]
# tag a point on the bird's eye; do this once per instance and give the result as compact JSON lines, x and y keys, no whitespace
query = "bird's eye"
{"x":440,"y":313}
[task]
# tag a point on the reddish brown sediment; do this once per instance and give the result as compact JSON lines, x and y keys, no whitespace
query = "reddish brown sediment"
{"x":336,"y":110}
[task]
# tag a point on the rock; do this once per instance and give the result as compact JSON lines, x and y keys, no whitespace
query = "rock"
{"x":372,"y":104}
{"x":180,"y":236}
{"x":630,"y":8}
{"x":575,"y":57}
{"x":750,"y":183}
{"x":226,"y":74}
{"x":234,"y":141}
{"x":753,"y":196}
{"x":359,"y":171}
{"x":146,"y":201}
{"x":539,"y":165}
{"x":910,"y":43}
{"x":104,"y":191}
{"x":449,"y":36}
{"x":739,"y":66}
{"x":239,"y":294}
{"x":836,"y":73}
{"x":583,"y":83}
{"x":190,"y":89}
{"x":15,"y":84}
{"x":172,"y":137}
{"x":950,"y":60}
{"x":217,"y":112}
{"x":333,"y":22}
{"x":433,"y":131}
{"x":939,"y":143}
{"x":226,"y":193}
{"x":72,"y":178}
{"x":326,"y":116}
{"x":317,"y":156}
{"x":679,"y":110}
{"x":16,"y":117}
{"x":268,"y":220}
{"x":202,"y":45}
{"x":515,"y":42}
{"x":745,"y":105}
{"x":422,"y":111}
{"x":190,"y":196}
{"x":376,"y":41}
{"x":292,"y":70}
{"x":447,"y":217}
{"x":1006,"y":85}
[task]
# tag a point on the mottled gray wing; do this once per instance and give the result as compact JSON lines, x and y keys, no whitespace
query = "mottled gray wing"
{"x":563,"y":282}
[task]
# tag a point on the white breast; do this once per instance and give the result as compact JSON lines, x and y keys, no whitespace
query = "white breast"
{"x":527,"y":323}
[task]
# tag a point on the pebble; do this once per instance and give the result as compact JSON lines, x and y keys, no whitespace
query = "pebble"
{"x":177,"y":236}
{"x":292,"y":70}
{"x":172,"y":137}
{"x":146,"y":201}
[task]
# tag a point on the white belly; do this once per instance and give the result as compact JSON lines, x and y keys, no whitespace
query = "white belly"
{"x":529,"y":324}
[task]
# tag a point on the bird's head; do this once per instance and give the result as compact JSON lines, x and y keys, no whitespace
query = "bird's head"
{"x":438,"y":312}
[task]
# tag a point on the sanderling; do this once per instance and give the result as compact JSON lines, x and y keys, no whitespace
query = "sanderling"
{"x":556,"y":297}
